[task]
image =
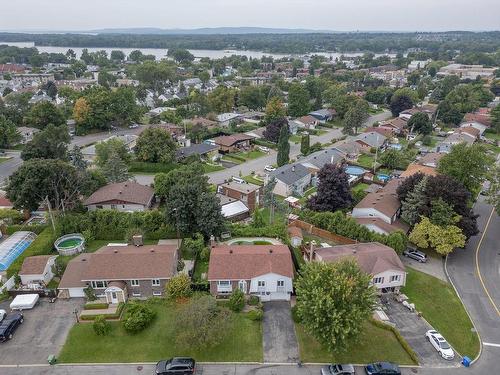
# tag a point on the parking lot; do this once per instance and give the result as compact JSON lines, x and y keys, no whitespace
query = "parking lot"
{"x":413,"y":329}
{"x":43,"y":332}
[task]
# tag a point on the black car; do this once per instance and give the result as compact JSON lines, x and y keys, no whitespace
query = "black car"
{"x":382,"y":368}
{"x":9,"y":325}
{"x":177,"y":366}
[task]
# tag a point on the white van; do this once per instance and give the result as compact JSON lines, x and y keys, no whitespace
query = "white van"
{"x":238,"y":180}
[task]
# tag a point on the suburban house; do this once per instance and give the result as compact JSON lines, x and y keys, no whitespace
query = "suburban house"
{"x":457,"y":137}
{"x":397,"y":125}
{"x":307,"y":122}
{"x":233,"y":209}
{"x":350,"y":149}
{"x":5,"y":202}
{"x":27,"y":133}
{"x":224,"y":119}
{"x":249,"y":194}
{"x":202,"y":122}
{"x":323,"y":115}
{"x":125,"y":196}
{"x":118,"y":271}
{"x":204,"y":150}
{"x":386,"y":132}
{"x":428,"y":109}
{"x":291,"y":179}
{"x":233,"y":143}
{"x":262,"y":270}
{"x":378,"y":211}
{"x":430,"y":159}
{"x":37,"y":269}
{"x":370,"y":140}
{"x":479,"y":120}
{"x":414,"y":168}
{"x":317,"y":160}
{"x":379,"y":261}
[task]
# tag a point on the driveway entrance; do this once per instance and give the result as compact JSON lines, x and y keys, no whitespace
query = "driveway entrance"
{"x":280,"y":342}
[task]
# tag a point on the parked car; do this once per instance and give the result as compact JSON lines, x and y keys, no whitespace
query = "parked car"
{"x":3,"y":313}
{"x":238,"y":180}
{"x":382,"y":368}
{"x":338,"y":369}
{"x":264,"y":148}
{"x":177,"y":366}
{"x":440,"y":344}
{"x":9,"y":325}
{"x":133,"y":126}
{"x":415,"y":254}
{"x":269,"y":168}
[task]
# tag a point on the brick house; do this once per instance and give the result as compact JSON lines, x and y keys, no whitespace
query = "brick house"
{"x":117,"y":272}
{"x":123,"y":196}
{"x":249,"y":194}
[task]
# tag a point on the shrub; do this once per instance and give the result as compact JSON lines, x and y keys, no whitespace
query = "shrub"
{"x":101,"y":326}
{"x":90,"y":293}
{"x":237,"y":301}
{"x":295,"y":315}
{"x":427,"y":140}
{"x":137,"y":317}
{"x":205,"y":254}
{"x":253,"y":300}
{"x":178,"y":287}
{"x":256,"y":315}
{"x":180,"y":265}
{"x":131,"y":232}
{"x":95,"y":306}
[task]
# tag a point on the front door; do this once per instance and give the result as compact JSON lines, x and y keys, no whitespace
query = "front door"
{"x":114,"y":297}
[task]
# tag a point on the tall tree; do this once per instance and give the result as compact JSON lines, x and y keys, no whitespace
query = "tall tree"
{"x":333,"y":301}
{"x":273,"y":129}
{"x":355,"y":117}
{"x":283,"y":155}
{"x":275,"y":111}
{"x":222,"y":99}
{"x":44,"y":113}
{"x":415,"y":199}
{"x":252,"y":97}
{"x":305,"y":144}
{"x":298,"y":100}
{"x":104,"y":149}
{"x":464,"y":98}
{"x":495,"y":118}
{"x":115,"y":169}
{"x":420,"y":123}
{"x":443,"y":239}
{"x":50,"y":143}
{"x":333,"y":190}
{"x":402,"y":99}
{"x":8,"y":132}
{"x":155,"y":145}
{"x":76,"y":159}
{"x":448,"y":113}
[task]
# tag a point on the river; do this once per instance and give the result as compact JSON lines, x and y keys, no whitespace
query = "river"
{"x":160,"y":53}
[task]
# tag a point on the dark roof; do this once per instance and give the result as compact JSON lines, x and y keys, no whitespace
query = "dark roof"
{"x":290,"y":173}
{"x":35,"y":265}
{"x":320,"y":158}
{"x":194,"y":149}
{"x":128,"y":191}
{"x":229,"y":140}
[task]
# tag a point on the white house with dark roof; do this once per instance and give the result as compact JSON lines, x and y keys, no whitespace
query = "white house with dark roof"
{"x":291,"y":179}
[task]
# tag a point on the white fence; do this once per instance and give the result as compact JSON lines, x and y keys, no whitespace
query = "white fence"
{"x":8,"y":285}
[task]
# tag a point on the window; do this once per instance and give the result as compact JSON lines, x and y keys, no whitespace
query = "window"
{"x":223,"y":283}
{"x":99,"y":206}
{"x":281,"y":283}
{"x":395,"y":278}
{"x":136,"y":294}
{"x":378,"y":280}
{"x":156,"y":293}
{"x":155,"y":282}
{"x":98,"y":284}
{"x":261,"y":284}
{"x":113,"y":206}
{"x":134,"y":282}
{"x":242,"y":285}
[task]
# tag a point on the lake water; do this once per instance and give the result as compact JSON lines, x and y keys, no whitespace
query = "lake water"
{"x":162,"y":53}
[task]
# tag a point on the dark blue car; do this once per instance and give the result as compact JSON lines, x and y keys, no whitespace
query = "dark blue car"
{"x":382,"y":368}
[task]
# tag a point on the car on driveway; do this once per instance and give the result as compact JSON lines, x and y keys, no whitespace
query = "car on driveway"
{"x":338,"y":369}
{"x":9,"y":325}
{"x":177,"y":366}
{"x":3,"y":314}
{"x":133,"y":126}
{"x":415,"y":254}
{"x":440,"y":344}
{"x":382,"y":368}
{"x":269,"y":168}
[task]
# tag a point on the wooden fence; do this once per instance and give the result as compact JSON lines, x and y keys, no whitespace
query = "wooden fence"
{"x":309,"y":228}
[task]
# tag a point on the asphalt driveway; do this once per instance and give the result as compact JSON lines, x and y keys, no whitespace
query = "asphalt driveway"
{"x":43,"y":332}
{"x":280,"y":342}
{"x":413,"y":329}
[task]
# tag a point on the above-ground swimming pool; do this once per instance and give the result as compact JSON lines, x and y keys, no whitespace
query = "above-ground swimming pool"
{"x":70,"y":244}
{"x":383,"y":177}
{"x":354,"y":171}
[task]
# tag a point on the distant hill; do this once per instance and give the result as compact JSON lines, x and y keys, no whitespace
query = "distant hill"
{"x":207,"y":31}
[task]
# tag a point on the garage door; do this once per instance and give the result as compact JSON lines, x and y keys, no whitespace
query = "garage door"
{"x":279,"y":297}
{"x":76,"y":292}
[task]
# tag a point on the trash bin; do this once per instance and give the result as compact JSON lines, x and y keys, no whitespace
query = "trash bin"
{"x":466,"y":361}
{"x":52,"y":359}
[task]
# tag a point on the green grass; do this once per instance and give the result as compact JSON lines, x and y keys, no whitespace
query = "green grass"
{"x":441,"y":307}
{"x":307,"y":194}
{"x":492,"y":135}
{"x":53,"y":284}
{"x":208,"y":168}
{"x":200,"y":267}
{"x":252,"y":180}
{"x":295,"y":138}
{"x":374,"y":344}
{"x":3,"y":160}
{"x":250,"y":155}
{"x":366,"y":160}
{"x":150,"y":168}
{"x":228,"y":157}
{"x":359,"y":187}
{"x":278,"y":216}
{"x":243,"y":342}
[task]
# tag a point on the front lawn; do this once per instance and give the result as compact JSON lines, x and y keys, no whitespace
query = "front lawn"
{"x":374,"y":344}
{"x":441,"y":307}
{"x":249,"y":155}
{"x":295,"y":138}
{"x":208,"y":168}
{"x":252,"y":180}
{"x":242,"y":343}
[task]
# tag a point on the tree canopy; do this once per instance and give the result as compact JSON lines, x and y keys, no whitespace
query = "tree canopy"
{"x":50,"y":143}
{"x":155,"y":145}
{"x":333,"y":190}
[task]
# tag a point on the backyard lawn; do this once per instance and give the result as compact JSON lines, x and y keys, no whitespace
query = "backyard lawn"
{"x":242,"y":343}
{"x":359,"y":187}
{"x":441,"y":307}
{"x":366,"y":160}
{"x":249,"y":155}
{"x":252,"y":180}
{"x":200,"y":267}
{"x":374,"y":344}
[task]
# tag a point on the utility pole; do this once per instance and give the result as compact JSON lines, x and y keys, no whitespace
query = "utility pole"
{"x":50,"y":213}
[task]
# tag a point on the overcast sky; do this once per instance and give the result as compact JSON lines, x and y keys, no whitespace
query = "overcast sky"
{"x":340,"y":15}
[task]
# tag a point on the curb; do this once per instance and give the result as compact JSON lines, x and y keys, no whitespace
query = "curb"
{"x":465,"y":308}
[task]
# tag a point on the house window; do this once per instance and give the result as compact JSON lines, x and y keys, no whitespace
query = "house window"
{"x":223,"y":282}
{"x":134,"y":282}
{"x":242,"y":285}
{"x":156,"y":293}
{"x":378,"y":280}
{"x":155,"y":282}
{"x":261,"y":284}
{"x":136,"y":294}
{"x":395,"y":278}
{"x":99,"y":206}
{"x":224,"y":286}
{"x":98,"y":284}
{"x":113,"y":206}
{"x":281,"y":283}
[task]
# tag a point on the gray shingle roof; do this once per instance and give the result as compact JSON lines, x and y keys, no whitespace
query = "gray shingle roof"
{"x":290,"y":173}
{"x":194,"y":149}
{"x":320,"y":158}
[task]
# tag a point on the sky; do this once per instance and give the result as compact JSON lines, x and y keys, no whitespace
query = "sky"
{"x":337,"y":15}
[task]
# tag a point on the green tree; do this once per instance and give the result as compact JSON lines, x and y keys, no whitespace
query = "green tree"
{"x":237,"y":300}
{"x":76,"y":159}
{"x":298,"y":100}
{"x":44,"y":113}
{"x":252,"y":97}
{"x":414,"y":201}
{"x":495,"y":118}
{"x":8,"y":133}
{"x":138,"y":316}
{"x":155,"y":145}
{"x":221,"y":99}
{"x":275,"y":111}
{"x":258,"y":219}
{"x":115,"y":169}
{"x":178,"y":287}
{"x":466,"y":164}
{"x":106,"y":79}
{"x":355,"y":117}
{"x":100,"y":326}
{"x":180,"y":55}
{"x":305,"y":144}
{"x":442,"y":239}
{"x":464,"y":98}
{"x":448,"y":113}
{"x":420,"y":123}
{"x":117,"y":55}
{"x":50,"y":143}
{"x":403,"y":99}
{"x":392,"y":158}
{"x":283,"y":155}
{"x":104,"y":150}
{"x":442,"y":213}
{"x":333,"y":301}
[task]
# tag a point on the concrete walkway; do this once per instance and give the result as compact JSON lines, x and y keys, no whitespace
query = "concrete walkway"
{"x":110,"y":310}
{"x":278,"y":333}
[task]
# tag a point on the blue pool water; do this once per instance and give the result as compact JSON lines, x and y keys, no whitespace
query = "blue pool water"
{"x":354,"y":171}
{"x":14,"y":252}
{"x":396,"y":146}
{"x":383,"y":177}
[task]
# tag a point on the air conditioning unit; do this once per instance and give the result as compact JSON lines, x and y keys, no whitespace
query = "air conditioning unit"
{"x":137,"y":240}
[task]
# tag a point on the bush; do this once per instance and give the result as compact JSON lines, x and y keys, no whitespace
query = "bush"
{"x":101,"y":326}
{"x":180,"y":265}
{"x":178,"y":287}
{"x":137,"y":317}
{"x":205,"y":254}
{"x":256,"y":315}
{"x":295,"y":315}
{"x":427,"y":140}
{"x":145,"y":167}
{"x":253,"y":300}
{"x":95,"y":306}
{"x":400,"y":338}
{"x":10,"y":216}
{"x":131,"y":232}
{"x":237,"y":301}
{"x":90,"y":293}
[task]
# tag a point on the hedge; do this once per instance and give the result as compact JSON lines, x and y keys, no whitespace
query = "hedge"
{"x":95,"y":306}
{"x":263,"y":142}
{"x":400,"y":338}
{"x":116,"y":315}
{"x":42,"y":245}
{"x":37,"y":228}
{"x":146,"y":167}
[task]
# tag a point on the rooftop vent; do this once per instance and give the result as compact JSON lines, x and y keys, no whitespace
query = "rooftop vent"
{"x":270,"y":251}
{"x":115,"y":251}
{"x":230,"y":251}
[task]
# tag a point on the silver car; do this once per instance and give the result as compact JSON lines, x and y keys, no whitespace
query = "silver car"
{"x":415,"y":254}
{"x":338,"y":369}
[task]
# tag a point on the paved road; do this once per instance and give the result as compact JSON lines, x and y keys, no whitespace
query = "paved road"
{"x":10,"y":166}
